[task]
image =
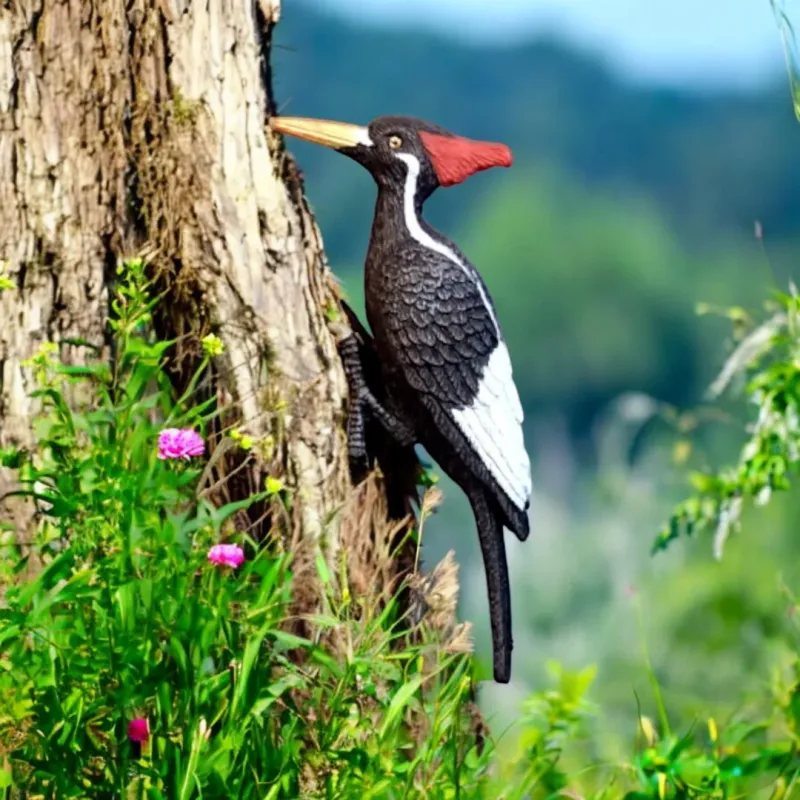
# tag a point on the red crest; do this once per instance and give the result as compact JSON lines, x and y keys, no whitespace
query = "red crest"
{"x":455,"y":158}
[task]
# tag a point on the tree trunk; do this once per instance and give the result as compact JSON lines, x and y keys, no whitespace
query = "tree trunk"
{"x":137,"y":128}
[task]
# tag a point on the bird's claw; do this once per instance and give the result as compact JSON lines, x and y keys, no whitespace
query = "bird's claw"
{"x":347,"y":344}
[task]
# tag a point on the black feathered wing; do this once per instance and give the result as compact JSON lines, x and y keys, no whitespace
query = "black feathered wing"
{"x":445,"y":341}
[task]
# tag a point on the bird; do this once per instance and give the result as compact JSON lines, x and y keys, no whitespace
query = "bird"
{"x":445,"y":364}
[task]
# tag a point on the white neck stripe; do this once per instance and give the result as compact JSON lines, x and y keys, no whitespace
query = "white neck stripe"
{"x":425,"y":239}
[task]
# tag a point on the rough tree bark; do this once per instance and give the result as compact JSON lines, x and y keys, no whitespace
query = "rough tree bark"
{"x":137,"y":128}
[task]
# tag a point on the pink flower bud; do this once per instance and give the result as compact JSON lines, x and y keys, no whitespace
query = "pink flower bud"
{"x":180,"y":443}
{"x":138,"y":730}
{"x":228,"y":555}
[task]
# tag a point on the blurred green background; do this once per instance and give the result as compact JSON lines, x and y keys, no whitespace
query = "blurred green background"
{"x":630,"y":201}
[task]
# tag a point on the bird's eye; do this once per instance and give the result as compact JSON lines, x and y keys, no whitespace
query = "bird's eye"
{"x":395,"y":141}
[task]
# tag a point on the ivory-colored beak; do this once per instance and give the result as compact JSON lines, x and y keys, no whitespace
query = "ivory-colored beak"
{"x":322,"y":131}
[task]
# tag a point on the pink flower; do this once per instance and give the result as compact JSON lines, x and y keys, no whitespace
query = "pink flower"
{"x":138,"y":730}
{"x":229,"y":555}
{"x":180,"y":443}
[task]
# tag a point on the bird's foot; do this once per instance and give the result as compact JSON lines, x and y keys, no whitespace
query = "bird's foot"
{"x":356,"y":441}
{"x":356,"y":437}
{"x":362,"y":398}
{"x":402,"y":433}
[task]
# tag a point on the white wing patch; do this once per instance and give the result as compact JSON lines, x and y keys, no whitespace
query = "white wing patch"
{"x":493,"y":425}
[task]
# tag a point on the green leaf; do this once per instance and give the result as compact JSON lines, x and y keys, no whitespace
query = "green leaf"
{"x":399,"y":704}
{"x":249,"y":659}
{"x":794,"y":708}
{"x":219,"y":515}
{"x":289,"y":640}
{"x":182,"y":662}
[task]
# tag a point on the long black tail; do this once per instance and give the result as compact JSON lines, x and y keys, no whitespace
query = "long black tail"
{"x":493,"y":547}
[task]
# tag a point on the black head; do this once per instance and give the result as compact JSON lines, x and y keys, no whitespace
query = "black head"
{"x":395,"y":148}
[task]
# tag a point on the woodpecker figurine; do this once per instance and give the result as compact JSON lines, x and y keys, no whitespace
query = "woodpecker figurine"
{"x":445,"y":365}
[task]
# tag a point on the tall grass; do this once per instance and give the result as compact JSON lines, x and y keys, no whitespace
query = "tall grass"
{"x":138,"y":659}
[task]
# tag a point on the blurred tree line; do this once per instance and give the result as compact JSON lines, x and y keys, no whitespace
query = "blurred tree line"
{"x":628,"y":204}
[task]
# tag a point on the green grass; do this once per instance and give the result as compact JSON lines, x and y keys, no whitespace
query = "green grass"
{"x":125,"y":618}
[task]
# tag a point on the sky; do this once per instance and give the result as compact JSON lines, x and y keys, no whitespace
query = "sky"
{"x":673,"y":41}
